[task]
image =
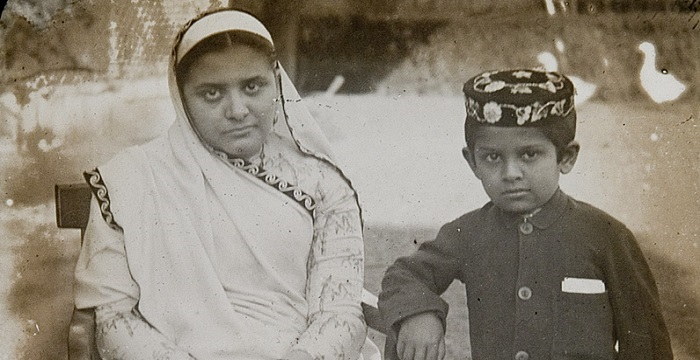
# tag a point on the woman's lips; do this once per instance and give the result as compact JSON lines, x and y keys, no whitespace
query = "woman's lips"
{"x":239,"y":131}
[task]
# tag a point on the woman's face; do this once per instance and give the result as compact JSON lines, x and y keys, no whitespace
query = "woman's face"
{"x":230,"y":98}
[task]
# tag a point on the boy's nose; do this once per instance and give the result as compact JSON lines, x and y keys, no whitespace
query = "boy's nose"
{"x":236,"y":108}
{"x":512,"y":171}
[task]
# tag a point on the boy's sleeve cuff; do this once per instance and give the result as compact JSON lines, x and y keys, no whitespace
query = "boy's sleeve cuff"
{"x":401,"y":306}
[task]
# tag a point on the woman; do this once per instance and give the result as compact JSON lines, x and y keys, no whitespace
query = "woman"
{"x":233,"y":236}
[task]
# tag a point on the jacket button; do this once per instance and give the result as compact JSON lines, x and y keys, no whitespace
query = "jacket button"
{"x":526,"y":228}
{"x":521,"y":355}
{"x":525,"y":293}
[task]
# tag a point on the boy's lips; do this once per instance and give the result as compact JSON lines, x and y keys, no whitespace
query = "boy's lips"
{"x":515,"y":192}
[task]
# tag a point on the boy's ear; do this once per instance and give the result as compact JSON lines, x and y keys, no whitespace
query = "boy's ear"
{"x":569,"y":156}
{"x":469,"y":156}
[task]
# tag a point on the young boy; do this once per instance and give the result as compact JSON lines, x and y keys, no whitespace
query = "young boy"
{"x":547,"y":276}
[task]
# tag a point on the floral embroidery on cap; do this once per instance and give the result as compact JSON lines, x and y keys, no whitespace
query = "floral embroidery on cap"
{"x":557,"y":108}
{"x":495,"y":86}
{"x":537,"y":112}
{"x":549,"y":86}
{"x":540,"y":111}
{"x":472,"y":108}
{"x":520,"y":89}
{"x":484,"y":84}
{"x":492,"y":112}
{"x":518,"y":97}
{"x":522,"y":74}
{"x":523,"y":114}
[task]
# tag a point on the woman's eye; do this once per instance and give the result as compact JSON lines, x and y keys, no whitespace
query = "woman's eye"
{"x":252,"y":88}
{"x":211,"y":95}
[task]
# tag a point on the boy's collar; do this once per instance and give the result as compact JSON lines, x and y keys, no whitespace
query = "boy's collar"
{"x":545,"y":216}
{"x":542,"y":217}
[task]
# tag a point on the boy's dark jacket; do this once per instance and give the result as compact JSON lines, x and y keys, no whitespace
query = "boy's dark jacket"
{"x":514,"y":285}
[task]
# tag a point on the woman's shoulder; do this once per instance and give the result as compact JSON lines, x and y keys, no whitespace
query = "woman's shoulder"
{"x":128,"y":170}
{"x":136,"y":157}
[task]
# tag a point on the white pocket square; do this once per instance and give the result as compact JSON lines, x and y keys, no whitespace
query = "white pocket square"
{"x":582,"y":286}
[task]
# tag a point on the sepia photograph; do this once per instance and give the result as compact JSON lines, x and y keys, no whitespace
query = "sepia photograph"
{"x":349,"y":179}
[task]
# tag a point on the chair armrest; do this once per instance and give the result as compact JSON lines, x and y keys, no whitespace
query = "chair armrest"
{"x":371,"y":311}
{"x":81,"y":336}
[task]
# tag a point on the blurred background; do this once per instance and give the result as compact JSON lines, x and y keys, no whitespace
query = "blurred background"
{"x":83,"y":79}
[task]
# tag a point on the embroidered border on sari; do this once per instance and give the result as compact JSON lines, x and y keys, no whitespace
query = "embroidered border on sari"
{"x":296,"y":194}
{"x":99,"y":189}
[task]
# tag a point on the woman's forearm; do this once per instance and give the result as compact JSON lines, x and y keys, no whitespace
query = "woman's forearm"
{"x":335,"y":279}
{"x":334,"y":336}
{"x":124,"y":334}
{"x":336,"y":326}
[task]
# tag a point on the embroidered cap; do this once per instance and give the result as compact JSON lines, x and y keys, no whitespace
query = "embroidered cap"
{"x":519,"y":98}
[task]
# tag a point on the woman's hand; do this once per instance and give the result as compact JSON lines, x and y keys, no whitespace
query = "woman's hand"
{"x":421,"y":337}
{"x":123,"y":334}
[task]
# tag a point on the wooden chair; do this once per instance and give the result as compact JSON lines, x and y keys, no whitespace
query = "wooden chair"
{"x":72,"y":212}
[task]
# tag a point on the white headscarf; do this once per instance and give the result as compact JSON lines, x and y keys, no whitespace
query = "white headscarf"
{"x":299,"y":124}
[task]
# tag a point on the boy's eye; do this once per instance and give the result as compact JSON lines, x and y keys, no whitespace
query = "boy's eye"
{"x":492,"y":157}
{"x":530,"y":154}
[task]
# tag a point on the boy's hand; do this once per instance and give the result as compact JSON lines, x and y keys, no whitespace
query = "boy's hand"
{"x":421,"y":337}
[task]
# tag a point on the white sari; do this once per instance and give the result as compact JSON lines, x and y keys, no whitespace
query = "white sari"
{"x":228,"y":259}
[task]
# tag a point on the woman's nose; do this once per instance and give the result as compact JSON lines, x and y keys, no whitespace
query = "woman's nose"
{"x":512,"y":170}
{"x":236,"y":108}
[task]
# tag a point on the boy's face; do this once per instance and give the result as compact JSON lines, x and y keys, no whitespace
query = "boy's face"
{"x":518,"y":167}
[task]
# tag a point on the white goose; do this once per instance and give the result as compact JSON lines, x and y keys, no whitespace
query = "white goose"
{"x":660,"y":86}
{"x":549,"y":4}
{"x":584,"y":89}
